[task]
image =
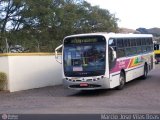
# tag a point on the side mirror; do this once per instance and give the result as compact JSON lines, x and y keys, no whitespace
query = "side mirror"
{"x":114,"y":54}
{"x":57,"y":55}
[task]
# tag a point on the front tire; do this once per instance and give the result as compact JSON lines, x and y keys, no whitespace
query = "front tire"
{"x":122,"y":81}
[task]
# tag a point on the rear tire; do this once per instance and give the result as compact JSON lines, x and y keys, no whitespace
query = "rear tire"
{"x":145,"y":73}
{"x":122,"y":81}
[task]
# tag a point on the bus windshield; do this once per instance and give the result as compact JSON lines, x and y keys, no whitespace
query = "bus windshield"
{"x":84,"y":56}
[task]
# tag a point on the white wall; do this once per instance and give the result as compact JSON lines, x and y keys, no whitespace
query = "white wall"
{"x":27,"y":72}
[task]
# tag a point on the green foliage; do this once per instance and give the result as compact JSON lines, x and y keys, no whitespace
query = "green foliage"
{"x":40,"y":25}
{"x":3,"y":80}
{"x":3,"y":76}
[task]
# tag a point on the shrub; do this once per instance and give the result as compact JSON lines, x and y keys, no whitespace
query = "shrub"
{"x":3,"y":80}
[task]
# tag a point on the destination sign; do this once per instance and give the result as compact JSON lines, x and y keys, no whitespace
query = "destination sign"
{"x":84,"y":40}
{"x":78,"y":41}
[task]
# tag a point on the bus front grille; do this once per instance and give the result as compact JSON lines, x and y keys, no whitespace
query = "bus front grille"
{"x":89,"y":86}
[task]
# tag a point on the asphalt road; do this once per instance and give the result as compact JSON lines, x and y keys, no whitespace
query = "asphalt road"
{"x":138,"y":96}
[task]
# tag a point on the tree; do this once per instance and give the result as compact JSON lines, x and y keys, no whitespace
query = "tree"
{"x":10,"y":18}
{"x":40,"y":25}
{"x":10,"y":14}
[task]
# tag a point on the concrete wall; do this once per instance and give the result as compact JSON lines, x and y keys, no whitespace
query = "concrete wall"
{"x":31,"y":71}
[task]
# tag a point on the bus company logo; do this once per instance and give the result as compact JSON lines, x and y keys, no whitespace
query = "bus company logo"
{"x":4,"y":116}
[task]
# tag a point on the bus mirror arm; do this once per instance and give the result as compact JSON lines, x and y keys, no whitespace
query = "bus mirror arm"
{"x":56,"y":53}
{"x":114,"y":53}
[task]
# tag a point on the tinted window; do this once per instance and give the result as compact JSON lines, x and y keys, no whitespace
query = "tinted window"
{"x":138,"y":42}
{"x":121,"y":52}
{"x":139,"y":49}
{"x":112,"y":42}
{"x":133,"y":42}
{"x":144,"y":48}
{"x":147,"y":40}
{"x":128,"y":51}
{"x":150,"y":41}
{"x":134,"y":50}
{"x":143,"y":42}
{"x":120,"y":43}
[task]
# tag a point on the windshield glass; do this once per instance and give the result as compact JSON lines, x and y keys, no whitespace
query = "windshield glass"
{"x":84,"y":56}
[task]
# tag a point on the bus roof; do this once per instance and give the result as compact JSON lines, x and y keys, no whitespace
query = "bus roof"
{"x":110,"y":35}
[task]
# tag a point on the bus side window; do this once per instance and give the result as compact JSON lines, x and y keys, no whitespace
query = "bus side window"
{"x":138,"y":48}
{"x":128,"y":42}
{"x":128,"y":51}
{"x":141,"y":39}
{"x":112,"y":43}
{"x":132,"y":42}
{"x":120,"y":47}
{"x":120,"y":52}
{"x":120,"y":43}
{"x":146,"y":41}
{"x":138,"y":42}
{"x":125,"y":42}
{"x":112,"y":47}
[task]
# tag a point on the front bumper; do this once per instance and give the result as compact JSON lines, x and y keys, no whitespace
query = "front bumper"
{"x":90,"y":83}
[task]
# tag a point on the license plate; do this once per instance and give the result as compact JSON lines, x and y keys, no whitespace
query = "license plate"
{"x":75,"y":69}
{"x":83,"y":84}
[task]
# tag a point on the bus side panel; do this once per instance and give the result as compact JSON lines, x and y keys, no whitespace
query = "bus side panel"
{"x":114,"y":80}
{"x":130,"y":75}
{"x":134,"y":73}
{"x":133,"y":66}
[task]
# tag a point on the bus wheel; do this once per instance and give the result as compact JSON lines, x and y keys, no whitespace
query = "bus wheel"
{"x":122,"y":81}
{"x":144,"y":76}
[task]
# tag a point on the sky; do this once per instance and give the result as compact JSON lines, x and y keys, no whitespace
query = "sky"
{"x":132,"y":13}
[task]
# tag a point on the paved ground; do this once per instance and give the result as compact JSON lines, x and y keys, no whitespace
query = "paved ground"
{"x":138,"y":96}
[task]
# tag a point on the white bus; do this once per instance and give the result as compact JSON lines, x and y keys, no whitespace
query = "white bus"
{"x":105,"y":60}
